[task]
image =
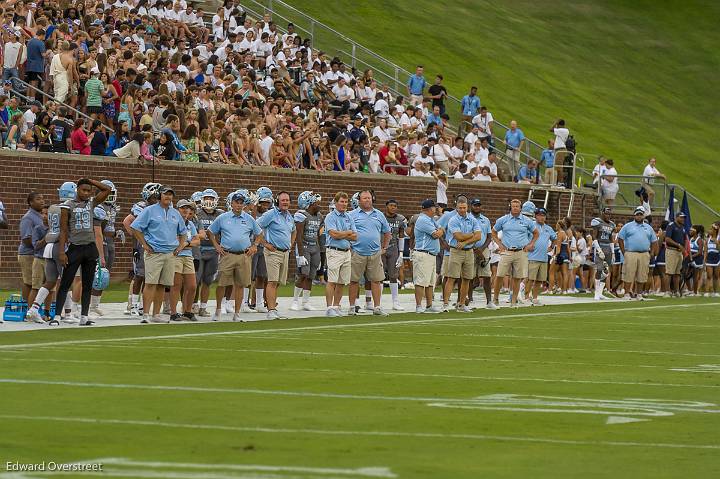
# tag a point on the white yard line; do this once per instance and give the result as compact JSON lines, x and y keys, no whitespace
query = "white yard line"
{"x":350,"y":433}
{"x":352,"y":373}
{"x":386,"y":323}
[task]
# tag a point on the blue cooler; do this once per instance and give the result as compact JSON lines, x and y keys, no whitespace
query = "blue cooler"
{"x":15,"y":308}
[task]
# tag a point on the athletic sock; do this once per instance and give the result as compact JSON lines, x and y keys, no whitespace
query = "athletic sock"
{"x":94,"y":301}
{"x":368,"y":297}
{"x":394,"y":292}
{"x":40,"y":298}
{"x":306,"y":296}
{"x":134,"y":300}
{"x":69,"y":303}
{"x":259,"y":297}
{"x":246,"y":295}
{"x":203,"y":305}
{"x":296,"y":293}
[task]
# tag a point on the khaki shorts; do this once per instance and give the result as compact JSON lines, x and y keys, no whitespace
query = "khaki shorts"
{"x":444,"y":266}
{"x":673,"y":261}
{"x":483,"y":271}
{"x":537,"y":270}
{"x":513,"y":262}
{"x":26,"y":267}
{"x":184,"y":265}
{"x":423,"y":269}
{"x":369,"y":266}
{"x":276,"y":263}
{"x":160,"y":268}
{"x":38,"y":273}
{"x":637,"y":266}
{"x":235,"y":269}
{"x":461,"y":264}
{"x":338,"y":266}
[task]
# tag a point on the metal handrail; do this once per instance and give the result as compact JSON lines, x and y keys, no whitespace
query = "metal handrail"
{"x":77,"y":112}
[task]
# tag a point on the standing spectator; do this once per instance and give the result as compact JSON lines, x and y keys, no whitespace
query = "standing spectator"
{"x":30,"y":220}
{"x":239,"y":236}
{"x":98,"y":140}
{"x":94,"y":91}
{"x":637,"y":243}
{"x":548,"y":158}
{"x":79,"y":139}
{"x":438,"y":93}
{"x":561,"y":135}
{"x":278,"y":225}
{"x":470,"y":105}
{"x":463,"y":232}
{"x":519,"y":235}
{"x":35,"y":65}
{"x":675,"y":240}
{"x":514,"y":141}
{"x":484,"y":122}
{"x":610,"y":186}
{"x":427,"y":234}
{"x":649,"y":174}
{"x":60,"y":132}
{"x":373,"y":237}
{"x":538,"y":256}
{"x":340,"y":230}
{"x":161,"y":231}
{"x":599,"y":170}
{"x":415,"y":86}
{"x":12,"y":56}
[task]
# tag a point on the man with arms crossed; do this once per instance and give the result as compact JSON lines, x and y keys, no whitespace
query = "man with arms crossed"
{"x":675,"y":238}
{"x":482,"y":253}
{"x":340,"y":230}
{"x":464,"y":231}
{"x":427,"y":234}
{"x":538,"y":257}
{"x":637,"y":242}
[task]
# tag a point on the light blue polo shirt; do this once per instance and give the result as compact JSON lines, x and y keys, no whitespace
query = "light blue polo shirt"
{"x":637,"y":236}
{"x":416,"y":84}
{"x":338,"y":222}
{"x":424,"y":227}
{"x":470,"y":105}
{"x":370,"y":225}
{"x":462,"y":224}
{"x":191,"y":233}
{"x":526,"y":173}
{"x":513,"y":138}
{"x":545,"y":235}
{"x":278,"y":227}
{"x":485,"y":226}
{"x":236,"y":231}
{"x":548,"y":157}
{"x":431,"y":118}
{"x":516,"y":230}
{"x":161,"y":227}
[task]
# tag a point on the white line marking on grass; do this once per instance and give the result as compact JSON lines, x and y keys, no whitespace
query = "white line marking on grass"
{"x":700,"y":368}
{"x":352,"y":373}
{"x":387,"y":323}
{"x":623,"y":420}
{"x":417,"y":435}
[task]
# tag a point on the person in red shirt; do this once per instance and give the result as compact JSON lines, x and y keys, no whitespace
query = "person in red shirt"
{"x":79,"y":139}
{"x":393,"y":159}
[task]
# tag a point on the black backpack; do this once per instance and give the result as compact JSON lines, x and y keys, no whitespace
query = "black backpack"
{"x":570,"y":143}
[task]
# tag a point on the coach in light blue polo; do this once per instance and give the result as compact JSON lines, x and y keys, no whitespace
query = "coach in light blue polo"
{"x":236,"y":230}
{"x":636,"y":240}
{"x":370,"y":226}
{"x":538,"y":257}
{"x":338,"y":221}
{"x":161,"y":226}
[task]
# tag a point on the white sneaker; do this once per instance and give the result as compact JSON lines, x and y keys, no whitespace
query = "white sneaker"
{"x":409,"y":285}
{"x":640,"y":297}
{"x":69,"y":320}
{"x":331,"y":313}
{"x":230,"y":305}
{"x":492,"y":305}
{"x":627,"y":297}
{"x":464,"y":309}
{"x":419,"y":309}
{"x":397,"y":306}
{"x":352,"y":311}
{"x":261,"y":309}
{"x":434,"y":309}
{"x":245,"y":308}
{"x":217,"y":316}
{"x":135,"y":310}
{"x":128,"y":309}
{"x":380,"y":312}
{"x":307,"y":307}
{"x":295,"y":306}
{"x":145,"y":319}
{"x":369,"y":307}
{"x":33,"y":316}
{"x":272,"y":314}
{"x":195,"y":308}
{"x":536,"y":302}
{"x":446,"y":308}
{"x":96,"y":310}
{"x":159,"y":319}
{"x":237,"y":317}
{"x":716,"y":295}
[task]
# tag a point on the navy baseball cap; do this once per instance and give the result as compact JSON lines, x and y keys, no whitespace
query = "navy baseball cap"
{"x":541,"y":211}
{"x":681,"y":214}
{"x":476,"y":202}
{"x":428,"y":203}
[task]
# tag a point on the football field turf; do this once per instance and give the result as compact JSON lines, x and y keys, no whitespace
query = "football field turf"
{"x":626,"y":389}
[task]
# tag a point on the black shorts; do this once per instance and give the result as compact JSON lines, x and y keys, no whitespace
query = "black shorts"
{"x":33,"y":76}
{"x":94,"y":110}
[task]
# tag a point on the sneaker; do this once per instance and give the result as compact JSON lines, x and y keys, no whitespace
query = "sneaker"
{"x":280,"y":316}
{"x":295,"y":306}
{"x":419,"y":309}
{"x":195,"y":308}
{"x":627,"y":297}
{"x":217,"y":316}
{"x":716,"y":295}
{"x":203,"y":313}
{"x":307,"y":307}
{"x":464,"y":309}
{"x":54,"y":322}
{"x":409,"y":285}
{"x":145,"y":319}
{"x":166,"y":309}
{"x":380,"y":312}
{"x":176,"y":317}
{"x":492,"y":305}
{"x":245,"y":308}
{"x":33,"y":316}
{"x":159,"y":319}
{"x":272,"y":314}
{"x":536,"y":302}
{"x":261,"y":309}
{"x":189,"y":316}
{"x":369,"y":307}
{"x":230,"y":306}
{"x":96,"y":311}
{"x":69,"y":320}
{"x":434,"y":309}
{"x":397,"y":306}
{"x":331,"y":313}
{"x":87,"y":322}
{"x":445,"y":308}
{"x":135,"y":311}
{"x":238,"y":318}
{"x":640,"y":297}
{"x":352,"y":311}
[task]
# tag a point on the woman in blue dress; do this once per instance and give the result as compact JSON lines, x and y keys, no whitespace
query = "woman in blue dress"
{"x":712,"y":261}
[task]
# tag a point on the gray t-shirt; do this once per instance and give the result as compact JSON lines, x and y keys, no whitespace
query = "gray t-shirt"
{"x":80,"y":221}
{"x":312,"y":226}
{"x":397,"y":223}
{"x":53,"y":224}
{"x":29,"y":221}
{"x":206,"y":219}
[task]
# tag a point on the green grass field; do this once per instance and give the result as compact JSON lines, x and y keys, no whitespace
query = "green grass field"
{"x":585,"y":390}
{"x":632,"y":79}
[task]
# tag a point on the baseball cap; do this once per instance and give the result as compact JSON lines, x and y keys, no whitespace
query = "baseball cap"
{"x":541,"y":211}
{"x":476,"y":202}
{"x":185,"y":203}
{"x":8,"y":82}
{"x":428,"y":203}
{"x":391,"y":201}
{"x":167,"y":189}
{"x":237,"y":197}
{"x":639,"y":210}
{"x":681,"y":214}
{"x":607,"y":209}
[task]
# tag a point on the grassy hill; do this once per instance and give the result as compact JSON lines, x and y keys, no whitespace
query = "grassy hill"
{"x":632,"y":79}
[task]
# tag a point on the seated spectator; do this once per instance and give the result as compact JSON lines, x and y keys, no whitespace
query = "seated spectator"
{"x":461,"y":172}
{"x":528,"y":174}
{"x":483,"y":174}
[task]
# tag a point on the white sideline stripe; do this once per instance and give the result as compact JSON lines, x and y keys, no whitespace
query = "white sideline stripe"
{"x":150,"y":474}
{"x":425,"y":435}
{"x":386,"y":323}
{"x":364,"y":355}
{"x":378,"y":373}
{"x":362,"y":471}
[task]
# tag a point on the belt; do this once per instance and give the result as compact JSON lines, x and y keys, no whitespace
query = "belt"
{"x":338,"y":249}
{"x":461,"y":249}
{"x":425,"y":251}
{"x":281,"y":250}
{"x":514,"y":250}
{"x":236,"y":252}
